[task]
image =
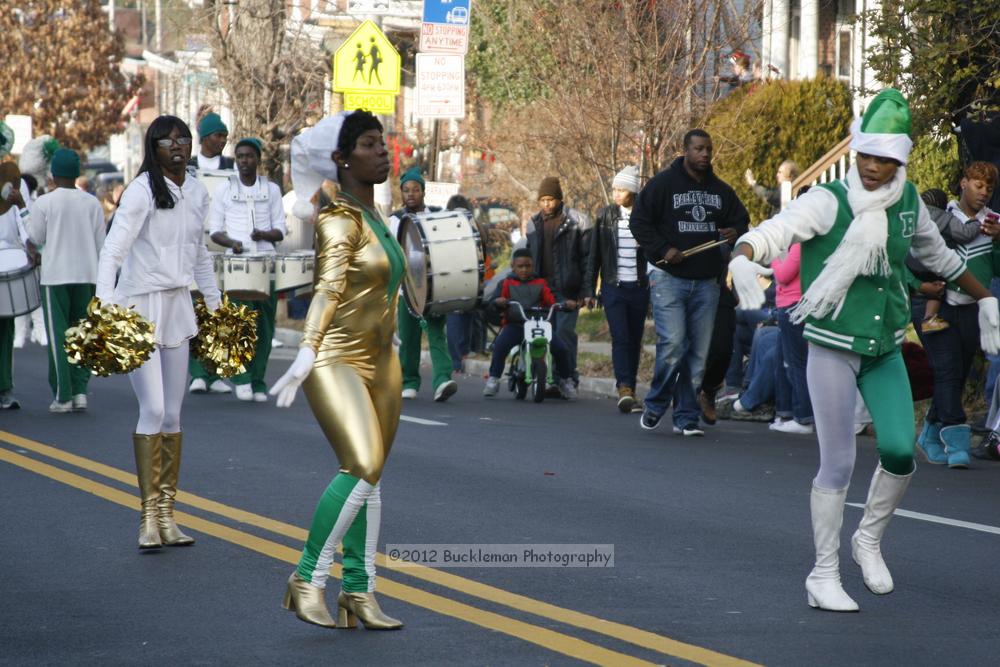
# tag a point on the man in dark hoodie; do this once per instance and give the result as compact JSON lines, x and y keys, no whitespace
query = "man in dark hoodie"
{"x":681,"y":208}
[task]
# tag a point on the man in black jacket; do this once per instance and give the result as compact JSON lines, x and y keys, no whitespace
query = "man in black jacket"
{"x":678,"y":212}
{"x":558,"y":242}
{"x":617,"y":259}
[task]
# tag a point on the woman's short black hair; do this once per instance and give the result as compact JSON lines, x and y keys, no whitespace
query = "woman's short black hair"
{"x":354,"y":126}
{"x":458,"y":201}
{"x":159,"y":129}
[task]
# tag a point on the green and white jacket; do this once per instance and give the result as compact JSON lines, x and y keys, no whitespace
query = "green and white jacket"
{"x":873,"y":319}
{"x":981,"y":256}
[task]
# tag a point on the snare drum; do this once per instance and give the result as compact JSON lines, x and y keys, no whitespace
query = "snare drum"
{"x":293,"y":270}
{"x":445,"y":260}
{"x":248,"y":276}
{"x":20,"y":292}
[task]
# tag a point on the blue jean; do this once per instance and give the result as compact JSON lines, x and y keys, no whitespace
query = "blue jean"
{"x":684,"y":314}
{"x":746,"y":326}
{"x":951,"y":352}
{"x":762,"y":369}
{"x":457,"y":331}
{"x":511,"y":335}
{"x":794,"y":354}
{"x":625,"y":307}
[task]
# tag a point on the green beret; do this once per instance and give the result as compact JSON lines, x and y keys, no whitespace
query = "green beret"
{"x":252,"y":142}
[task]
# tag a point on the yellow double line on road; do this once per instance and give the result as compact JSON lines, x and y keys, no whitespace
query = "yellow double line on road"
{"x":549,"y":639}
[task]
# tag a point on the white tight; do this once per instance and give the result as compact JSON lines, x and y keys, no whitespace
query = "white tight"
{"x":159,"y":385}
{"x":833,"y":387}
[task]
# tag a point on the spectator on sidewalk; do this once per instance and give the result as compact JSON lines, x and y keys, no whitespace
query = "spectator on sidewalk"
{"x":524,"y":287}
{"x":788,"y":171}
{"x":946,"y":437}
{"x":557,"y":239}
{"x":759,"y":399}
{"x":411,"y":187}
{"x":616,"y":258}
{"x":682,"y":208}
{"x":793,"y":347}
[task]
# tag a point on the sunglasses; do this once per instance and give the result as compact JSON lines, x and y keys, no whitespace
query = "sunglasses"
{"x":167,"y":143}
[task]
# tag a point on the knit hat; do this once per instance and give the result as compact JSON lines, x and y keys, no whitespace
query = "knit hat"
{"x":312,"y":161}
{"x":627,"y":179}
{"x":884,"y":130}
{"x":211,"y":123}
{"x":252,"y":142}
{"x":65,"y":164}
{"x":550,"y":187}
{"x":413,"y":174}
{"x":6,"y":139}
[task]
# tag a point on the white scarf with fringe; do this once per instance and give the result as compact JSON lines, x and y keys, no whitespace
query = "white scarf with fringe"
{"x":861,"y":252}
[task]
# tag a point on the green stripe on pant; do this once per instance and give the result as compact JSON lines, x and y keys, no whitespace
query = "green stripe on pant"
{"x":337,"y":510}
{"x":64,"y":306}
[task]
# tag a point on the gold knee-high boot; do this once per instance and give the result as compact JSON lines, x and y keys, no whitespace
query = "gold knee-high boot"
{"x":169,"y":472}
{"x":147,"y":468}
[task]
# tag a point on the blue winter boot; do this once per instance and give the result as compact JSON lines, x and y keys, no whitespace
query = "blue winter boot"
{"x":929,"y":442}
{"x":957,"y":440}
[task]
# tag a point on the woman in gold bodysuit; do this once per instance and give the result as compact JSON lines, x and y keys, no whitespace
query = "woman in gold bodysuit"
{"x":347,"y":365}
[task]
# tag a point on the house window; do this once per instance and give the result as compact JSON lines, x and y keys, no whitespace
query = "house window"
{"x":844,"y":54}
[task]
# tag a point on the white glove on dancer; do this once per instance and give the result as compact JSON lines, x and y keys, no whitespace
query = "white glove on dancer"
{"x":748,"y":290}
{"x":989,"y":325}
{"x":287,"y":385}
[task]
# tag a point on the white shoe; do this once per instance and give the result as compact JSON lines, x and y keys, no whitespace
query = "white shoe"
{"x":409,"y":392}
{"x":19,"y":341}
{"x":56,"y":406}
{"x":689,"y":431}
{"x":79,"y":402}
{"x":198,"y":386}
{"x":491,"y":388}
{"x":792,"y":426}
{"x":244,"y":392}
{"x":276,"y":343}
{"x":568,"y":389}
{"x":219,"y":387}
{"x":445,"y":390}
{"x":39,"y":336}
{"x":259,"y":397}
{"x":823,"y":587}
{"x":778,"y":421}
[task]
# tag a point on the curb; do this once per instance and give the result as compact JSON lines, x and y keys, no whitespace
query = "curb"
{"x":597,"y":386}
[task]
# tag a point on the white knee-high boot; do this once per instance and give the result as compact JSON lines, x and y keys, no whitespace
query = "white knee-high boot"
{"x":884,"y":496}
{"x":823,"y":587}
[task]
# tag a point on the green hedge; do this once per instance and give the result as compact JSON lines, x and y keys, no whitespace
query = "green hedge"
{"x":761,"y":125}
{"x":934,"y":163}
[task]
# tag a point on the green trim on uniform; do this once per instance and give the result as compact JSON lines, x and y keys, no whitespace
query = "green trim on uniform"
{"x":397,"y":260}
{"x":877,"y":307}
{"x":982,"y":259}
{"x":355,"y":577}
{"x":6,"y":353}
{"x":266,"y":311}
{"x":63,"y":306}
{"x":410,"y":334}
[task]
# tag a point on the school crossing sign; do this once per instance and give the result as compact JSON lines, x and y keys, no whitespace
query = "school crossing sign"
{"x":366,"y":70}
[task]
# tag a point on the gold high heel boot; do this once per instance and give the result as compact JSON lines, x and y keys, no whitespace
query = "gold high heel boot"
{"x":147,"y":468}
{"x":170,"y":453}
{"x":352,"y":606}
{"x":307,"y":602}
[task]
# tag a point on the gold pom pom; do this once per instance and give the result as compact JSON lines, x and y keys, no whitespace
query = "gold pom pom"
{"x":110,"y":339}
{"x":227,"y":338}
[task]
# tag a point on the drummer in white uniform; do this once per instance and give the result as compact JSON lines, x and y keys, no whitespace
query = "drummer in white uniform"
{"x":247,"y":217}
{"x":67,"y":224}
{"x":12,"y":235}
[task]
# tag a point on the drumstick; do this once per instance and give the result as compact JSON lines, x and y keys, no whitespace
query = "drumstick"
{"x":703,"y":247}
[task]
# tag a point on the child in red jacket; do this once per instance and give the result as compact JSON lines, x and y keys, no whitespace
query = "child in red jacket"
{"x":523,"y":287}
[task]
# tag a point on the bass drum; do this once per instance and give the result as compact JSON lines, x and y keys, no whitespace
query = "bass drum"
{"x":445,"y":260}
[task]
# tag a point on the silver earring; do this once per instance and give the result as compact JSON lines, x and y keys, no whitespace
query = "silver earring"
{"x":347,"y":166}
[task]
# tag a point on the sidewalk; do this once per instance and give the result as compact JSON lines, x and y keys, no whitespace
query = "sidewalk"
{"x":598,"y":386}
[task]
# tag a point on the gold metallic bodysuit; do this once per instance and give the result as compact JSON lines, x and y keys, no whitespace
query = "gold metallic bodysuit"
{"x":354,"y":387}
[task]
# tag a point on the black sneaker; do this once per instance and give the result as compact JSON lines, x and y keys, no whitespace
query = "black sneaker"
{"x":688,"y":430}
{"x":649,"y":421}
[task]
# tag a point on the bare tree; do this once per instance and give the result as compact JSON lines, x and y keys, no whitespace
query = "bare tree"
{"x":582,"y":87}
{"x":271,"y":69}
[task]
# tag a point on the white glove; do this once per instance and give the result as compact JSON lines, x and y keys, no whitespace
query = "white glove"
{"x":748,"y":290}
{"x":989,"y":325}
{"x":287,"y":385}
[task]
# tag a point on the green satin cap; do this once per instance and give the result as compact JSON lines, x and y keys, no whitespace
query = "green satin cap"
{"x":887,"y":114}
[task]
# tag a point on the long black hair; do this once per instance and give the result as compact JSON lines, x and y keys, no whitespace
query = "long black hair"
{"x":159,"y":129}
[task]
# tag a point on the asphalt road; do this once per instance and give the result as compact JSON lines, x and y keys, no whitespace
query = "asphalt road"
{"x":711,"y":541}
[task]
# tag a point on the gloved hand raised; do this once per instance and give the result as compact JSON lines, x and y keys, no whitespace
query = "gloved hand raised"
{"x":748,"y":290}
